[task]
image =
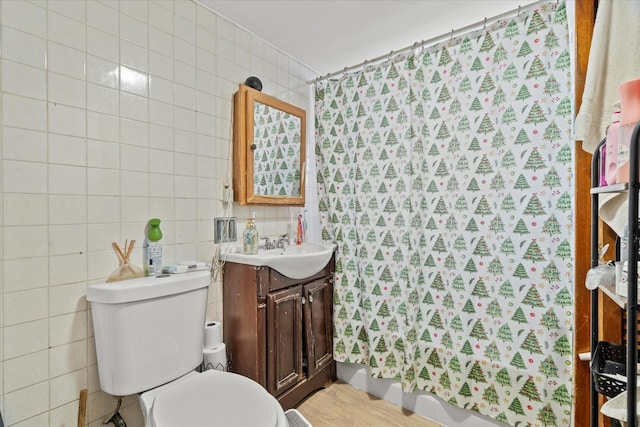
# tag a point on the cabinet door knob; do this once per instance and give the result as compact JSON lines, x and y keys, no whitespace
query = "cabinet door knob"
{"x":304,"y":300}
{"x":310,"y":298}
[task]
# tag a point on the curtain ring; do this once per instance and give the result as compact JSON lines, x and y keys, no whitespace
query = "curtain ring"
{"x":485,"y":24}
{"x":451,"y":38}
{"x":390,"y":54}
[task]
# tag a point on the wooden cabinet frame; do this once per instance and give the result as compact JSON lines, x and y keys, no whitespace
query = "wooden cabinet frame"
{"x":244,"y":145}
{"x":284,"y":339}
{"x":279,"y":331}
{"x":318,"y":312}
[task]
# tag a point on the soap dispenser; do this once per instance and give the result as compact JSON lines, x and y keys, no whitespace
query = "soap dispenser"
{"x":250,"y":239}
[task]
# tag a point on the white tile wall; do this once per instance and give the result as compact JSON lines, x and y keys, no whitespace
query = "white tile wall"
{"x":111,"y":112}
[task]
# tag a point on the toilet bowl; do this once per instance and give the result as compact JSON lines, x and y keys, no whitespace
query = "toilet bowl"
{"x":149,"y":335}
{"x":211,"y":398}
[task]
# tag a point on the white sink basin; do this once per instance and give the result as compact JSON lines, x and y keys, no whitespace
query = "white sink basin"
{"x":294,"y":261}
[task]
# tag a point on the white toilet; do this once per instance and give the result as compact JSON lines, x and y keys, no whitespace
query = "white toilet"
{"x":149,"y":336}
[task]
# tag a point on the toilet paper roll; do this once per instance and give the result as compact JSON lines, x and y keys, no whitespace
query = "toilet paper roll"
{"x":216,"y":358}
{"x":212,"y":334}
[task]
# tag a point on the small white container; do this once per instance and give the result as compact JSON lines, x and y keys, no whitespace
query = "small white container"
{"x":622,"y":285}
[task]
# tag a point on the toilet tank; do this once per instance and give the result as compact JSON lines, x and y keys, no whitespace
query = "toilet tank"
{"x":148,"y":331}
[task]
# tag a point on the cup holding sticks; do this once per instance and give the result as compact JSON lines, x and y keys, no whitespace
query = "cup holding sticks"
{"x":125,"y":270}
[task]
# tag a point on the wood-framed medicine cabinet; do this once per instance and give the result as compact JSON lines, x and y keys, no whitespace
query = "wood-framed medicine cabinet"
{"x":269,"y":142}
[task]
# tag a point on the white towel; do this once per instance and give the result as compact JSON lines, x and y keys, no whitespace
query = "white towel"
{"x":614,"y":58}
{"x":614,"y":211}
{"x":616,"y":408}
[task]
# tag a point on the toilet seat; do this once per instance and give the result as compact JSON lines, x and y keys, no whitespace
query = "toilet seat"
{"x":216,"y":398}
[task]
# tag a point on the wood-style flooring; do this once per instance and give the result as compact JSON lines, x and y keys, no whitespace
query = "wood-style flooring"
{"x":341,"y":405}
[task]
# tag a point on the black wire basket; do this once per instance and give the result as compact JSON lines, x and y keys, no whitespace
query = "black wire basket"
{"x":609,"y":359}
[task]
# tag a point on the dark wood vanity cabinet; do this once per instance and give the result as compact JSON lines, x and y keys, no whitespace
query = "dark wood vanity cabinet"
{"x":278,"y":330}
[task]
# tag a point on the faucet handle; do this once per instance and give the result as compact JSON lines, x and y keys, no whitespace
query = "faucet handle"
{"x":282,"y":240}
{"x":268,"y":244}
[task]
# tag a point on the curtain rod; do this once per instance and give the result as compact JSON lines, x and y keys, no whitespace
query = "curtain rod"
{"x":432,"y":41}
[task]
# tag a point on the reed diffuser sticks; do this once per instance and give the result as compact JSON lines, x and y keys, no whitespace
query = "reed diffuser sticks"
{"x":125,"y":270}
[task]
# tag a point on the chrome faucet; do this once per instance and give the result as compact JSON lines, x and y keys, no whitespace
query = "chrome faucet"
{"x":278,"y":243}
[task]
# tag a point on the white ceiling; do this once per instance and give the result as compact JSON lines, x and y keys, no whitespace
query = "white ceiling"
{"x":329,"y":35}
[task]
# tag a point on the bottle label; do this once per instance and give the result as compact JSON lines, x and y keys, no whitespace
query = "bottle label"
{"x":623,"y":154}
{"x":153,"y":258}
{"x":250,"y":242}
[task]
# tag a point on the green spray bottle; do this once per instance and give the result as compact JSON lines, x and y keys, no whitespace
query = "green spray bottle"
{"x":152,"y":250}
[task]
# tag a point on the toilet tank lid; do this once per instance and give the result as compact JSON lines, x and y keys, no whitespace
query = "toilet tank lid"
{"x":147,"y":287}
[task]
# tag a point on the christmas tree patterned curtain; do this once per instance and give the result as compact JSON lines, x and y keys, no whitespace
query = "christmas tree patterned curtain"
{"x":445,"y":178}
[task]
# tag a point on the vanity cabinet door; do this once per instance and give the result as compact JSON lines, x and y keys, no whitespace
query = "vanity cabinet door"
{"x":284,"y":339}
{"x":318,"y":314}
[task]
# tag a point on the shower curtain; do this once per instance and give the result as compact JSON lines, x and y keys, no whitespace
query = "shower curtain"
{"x":445,"y":178}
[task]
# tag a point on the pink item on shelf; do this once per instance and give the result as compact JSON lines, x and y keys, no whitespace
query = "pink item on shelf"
{"x":630,"y":101}
{"x":630,"y":106}
{"x":603,"y":165}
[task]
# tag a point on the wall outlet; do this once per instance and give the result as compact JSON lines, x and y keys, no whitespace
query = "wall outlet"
{"x":226,"y":230}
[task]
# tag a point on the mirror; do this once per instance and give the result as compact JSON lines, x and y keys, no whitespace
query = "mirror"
{"x":269,"y":150}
